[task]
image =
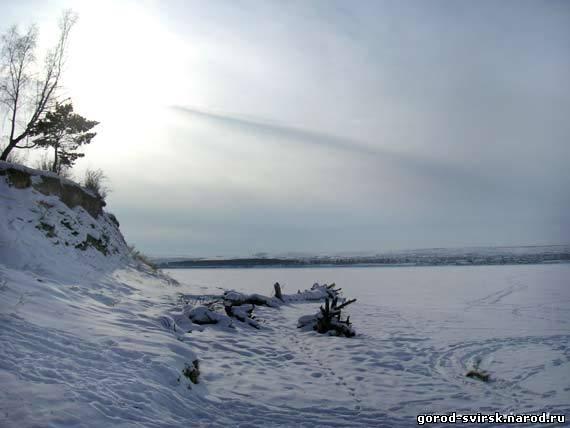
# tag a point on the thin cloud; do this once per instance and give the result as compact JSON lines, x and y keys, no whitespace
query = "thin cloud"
{"x":447,"y":174}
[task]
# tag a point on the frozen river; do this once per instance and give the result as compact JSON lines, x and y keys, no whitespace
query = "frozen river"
{"x":420,"y":330}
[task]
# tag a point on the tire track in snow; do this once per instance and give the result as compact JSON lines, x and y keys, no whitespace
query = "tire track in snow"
{"x":497,"y":296}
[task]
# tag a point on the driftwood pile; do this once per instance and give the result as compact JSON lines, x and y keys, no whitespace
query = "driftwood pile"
{"x":233,"y":305}
{"x":329,"y":319}
{"x":240,"y":306}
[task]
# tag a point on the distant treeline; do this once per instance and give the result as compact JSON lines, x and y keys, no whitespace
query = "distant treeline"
{"x":413,"y":260}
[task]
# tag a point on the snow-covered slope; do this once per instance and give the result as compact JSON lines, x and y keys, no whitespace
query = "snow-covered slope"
{"x":80,"y":339}
{"x":85,"y":336}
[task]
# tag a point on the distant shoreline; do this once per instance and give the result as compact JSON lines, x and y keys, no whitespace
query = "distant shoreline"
{"x":358,"y":266}
{"x":495,"y":260}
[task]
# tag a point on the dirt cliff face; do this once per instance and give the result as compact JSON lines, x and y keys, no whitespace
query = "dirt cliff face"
{"x":17,"y":178}
{"x":68,"y":192}
{"x":49,"y":223}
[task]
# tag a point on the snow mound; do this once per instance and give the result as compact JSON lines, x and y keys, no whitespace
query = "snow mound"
{"x":203,"y":315}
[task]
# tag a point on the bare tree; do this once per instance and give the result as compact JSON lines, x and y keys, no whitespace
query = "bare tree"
{"x":26,"y":96}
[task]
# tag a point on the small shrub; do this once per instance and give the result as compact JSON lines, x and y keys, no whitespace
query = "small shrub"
{"x":47,"y":228}
{"x":16,"y":156}
{"x":101,"y":244}
{"x":192,"y":372}
{"x":43,"y":163}
{"x":66,"y":173}
{"x":478,"y":373}
{"x":44,"y":209}
{"x":113,"y":218}
{"x":95,"y":180}
{"x":137,"y":255}
{"x":65,"y":222}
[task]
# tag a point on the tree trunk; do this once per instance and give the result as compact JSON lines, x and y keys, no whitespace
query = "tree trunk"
{"x":6,"y":152}
{"x":54,"y":166}
{"x":11,"y":141}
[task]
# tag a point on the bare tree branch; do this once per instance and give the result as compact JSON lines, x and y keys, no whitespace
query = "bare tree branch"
{"x":18,"y":57}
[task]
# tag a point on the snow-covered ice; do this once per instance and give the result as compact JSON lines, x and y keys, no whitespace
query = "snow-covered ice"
{"x":420,"y":330}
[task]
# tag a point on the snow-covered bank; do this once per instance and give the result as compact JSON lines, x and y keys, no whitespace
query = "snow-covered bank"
{"x":88,"y":352}
{"x":80,"y":341}
{"x":82,"y":334}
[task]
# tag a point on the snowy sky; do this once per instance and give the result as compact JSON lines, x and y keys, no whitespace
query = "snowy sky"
{"x":235,"y":127}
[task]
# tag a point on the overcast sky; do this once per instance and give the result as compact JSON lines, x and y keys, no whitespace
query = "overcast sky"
{"x":236,"y":127}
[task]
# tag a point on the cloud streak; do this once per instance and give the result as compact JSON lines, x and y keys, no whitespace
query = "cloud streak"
{"x":444,"y":173}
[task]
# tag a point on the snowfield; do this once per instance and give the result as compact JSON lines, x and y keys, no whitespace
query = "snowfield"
{"x":94,"y":352}
{"x":419,"y":331}
{"x":88,"y":338}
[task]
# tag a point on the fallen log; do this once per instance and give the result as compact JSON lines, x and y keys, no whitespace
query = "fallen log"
{"x":235,"y":298}
{"x":243,"y":313}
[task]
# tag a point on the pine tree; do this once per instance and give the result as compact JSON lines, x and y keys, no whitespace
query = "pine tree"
{"x":65,"y":132}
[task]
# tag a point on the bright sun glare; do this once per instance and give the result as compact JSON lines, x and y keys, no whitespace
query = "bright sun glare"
{"x":123,"y":66}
